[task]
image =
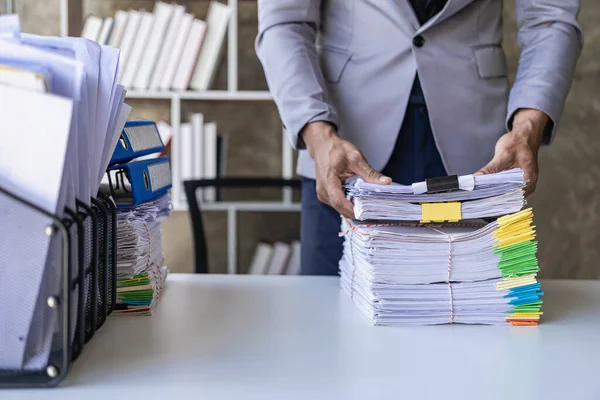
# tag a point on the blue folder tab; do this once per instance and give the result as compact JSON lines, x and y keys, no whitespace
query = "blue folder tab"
{"x":138,"y":181}
{"x":139,"y":138}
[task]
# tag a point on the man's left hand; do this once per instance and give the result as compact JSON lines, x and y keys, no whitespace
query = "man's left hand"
{"x":519,"y":147}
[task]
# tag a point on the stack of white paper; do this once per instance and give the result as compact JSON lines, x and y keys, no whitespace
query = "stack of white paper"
{"x":401,"y":271}
{"x":465,"y":273}
{"x":480,"y":197}
{"x":140,"y":257}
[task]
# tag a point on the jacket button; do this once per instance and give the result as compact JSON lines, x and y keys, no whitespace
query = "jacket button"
{"x":418,"y":41}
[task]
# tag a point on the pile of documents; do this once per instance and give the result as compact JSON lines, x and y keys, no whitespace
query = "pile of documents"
{"x":481,"y":196}
{"x":141,"y":272}
{"x":61,"y":114}
{"x":427,"y":271}
{"x":138,"y":180}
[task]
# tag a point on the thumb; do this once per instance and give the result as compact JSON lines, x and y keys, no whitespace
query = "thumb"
{"x":369,"y":174}
{"x":491,"y":168}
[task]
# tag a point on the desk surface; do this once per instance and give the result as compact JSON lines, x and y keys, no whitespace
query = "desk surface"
{"x":257,"y":337}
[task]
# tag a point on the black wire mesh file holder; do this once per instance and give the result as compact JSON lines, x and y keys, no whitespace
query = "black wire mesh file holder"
{"x":88,"y":273}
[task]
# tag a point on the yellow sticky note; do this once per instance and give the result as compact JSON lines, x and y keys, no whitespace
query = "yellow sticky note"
{"x":441,"y":212}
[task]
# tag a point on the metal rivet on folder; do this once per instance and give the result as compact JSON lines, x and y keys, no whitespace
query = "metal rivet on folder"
{"x":52,"y":302}
{"x":50,"y":230}
{"x":52,"y":371}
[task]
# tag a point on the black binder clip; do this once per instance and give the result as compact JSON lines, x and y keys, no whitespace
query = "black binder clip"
{"x":442,"y":184}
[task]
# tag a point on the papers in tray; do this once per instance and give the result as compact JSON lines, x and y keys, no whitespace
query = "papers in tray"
{"x":141,"y":274}
{"x":465,"y":273}
{"x":480,"y":197}
{"x":60,"y":109}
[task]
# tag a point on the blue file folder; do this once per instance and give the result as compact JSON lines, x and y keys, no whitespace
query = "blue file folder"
{"x":138,"y":181}
{"x":139,"y":138}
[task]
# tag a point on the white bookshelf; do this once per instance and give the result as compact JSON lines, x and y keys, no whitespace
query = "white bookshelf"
{"x":71,"y":23}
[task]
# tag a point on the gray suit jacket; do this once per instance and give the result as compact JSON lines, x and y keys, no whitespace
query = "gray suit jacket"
{"x":353,"y":63}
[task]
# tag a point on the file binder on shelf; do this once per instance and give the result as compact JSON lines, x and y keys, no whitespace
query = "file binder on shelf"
{"x":135,"y":182}
{"x":82,"y":251}
{"x":138,"y":138}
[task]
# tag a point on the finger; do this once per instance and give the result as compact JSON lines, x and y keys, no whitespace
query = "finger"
{"x":337,"y":200}
{"x":492,"y":167}
{"x":530,"y":188}
{"x":528,"y":163}
{"x":369,"y":174}
{"x":529,"y":166}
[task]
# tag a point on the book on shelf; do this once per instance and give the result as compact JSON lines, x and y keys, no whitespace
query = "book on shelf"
{"x":166,"y":49}
{"x":126,"y":45}
{"x":202,"y":154}
{"x":277,"y":258}
{"x":210,"y":158}
{"x":107,"y":26}
{"x":162,"y":15}
{"x":92,"y":27}
{"x":166,"y":79}
{"x":261,"y":259}
{"x":118,"y":29}
{"x":185,"y":67}
{"x":212,"y":50}
{"x":293,"y":267}
{"x":135,"y":60}
{"x":186,"y":146}
{"x":281,"y":255}
{"x":197,"y":121}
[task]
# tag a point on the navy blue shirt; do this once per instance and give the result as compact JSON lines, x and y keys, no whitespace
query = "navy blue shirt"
{"x":425,"y":9}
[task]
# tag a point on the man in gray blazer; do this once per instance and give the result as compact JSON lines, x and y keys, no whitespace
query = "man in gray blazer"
{"x":405,"y":90}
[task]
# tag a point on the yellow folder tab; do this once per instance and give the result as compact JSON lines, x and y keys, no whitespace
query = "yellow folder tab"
{"x":513,"y":282}
{"x":441,"y":212}
{"x":512,"y":218}
{"x":527,"y":316}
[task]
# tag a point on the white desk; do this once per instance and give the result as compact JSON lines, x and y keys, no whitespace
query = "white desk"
{"x":249,"y":337}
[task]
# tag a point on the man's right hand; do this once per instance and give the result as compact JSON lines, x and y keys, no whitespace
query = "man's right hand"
{"x":335,"y":161}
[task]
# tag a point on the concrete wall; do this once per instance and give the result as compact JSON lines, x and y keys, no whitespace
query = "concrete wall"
{"x":566,"y":204}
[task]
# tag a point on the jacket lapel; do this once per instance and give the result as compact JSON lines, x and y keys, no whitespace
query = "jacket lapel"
{"x":451,"y":8}
{"x":409,"y":13}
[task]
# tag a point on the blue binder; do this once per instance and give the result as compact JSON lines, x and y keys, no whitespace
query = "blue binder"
{"x":139,"y":181}
{"x":139,"y":138}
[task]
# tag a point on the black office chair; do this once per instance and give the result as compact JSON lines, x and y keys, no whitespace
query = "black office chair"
{"x":190,"y":187}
